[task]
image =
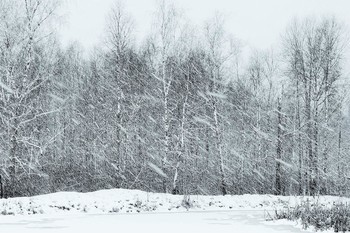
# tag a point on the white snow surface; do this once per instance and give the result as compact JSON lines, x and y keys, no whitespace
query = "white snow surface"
{"x":237,"y":221}
{"x":120,"y":210}
{"x":135,"y":201}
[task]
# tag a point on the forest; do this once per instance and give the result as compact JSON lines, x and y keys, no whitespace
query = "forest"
{"x":180,"y":112}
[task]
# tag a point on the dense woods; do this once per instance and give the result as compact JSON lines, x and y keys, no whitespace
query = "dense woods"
{"x":181,"y":112}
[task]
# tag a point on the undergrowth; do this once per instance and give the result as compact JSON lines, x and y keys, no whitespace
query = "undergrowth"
{"x":321,"y":217}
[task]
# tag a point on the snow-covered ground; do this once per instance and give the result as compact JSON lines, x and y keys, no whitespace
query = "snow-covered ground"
{"x":238,"y":221}
{"x":137,"y":210}
{"x":135,"y":201}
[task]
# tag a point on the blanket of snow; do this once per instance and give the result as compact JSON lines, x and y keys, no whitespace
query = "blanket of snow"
{"x":237,"y":221}
{"x":135,"y":201}
{"x":120,"y":210}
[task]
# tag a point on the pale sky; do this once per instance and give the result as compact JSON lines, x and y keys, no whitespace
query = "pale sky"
{"x":257,"y":23}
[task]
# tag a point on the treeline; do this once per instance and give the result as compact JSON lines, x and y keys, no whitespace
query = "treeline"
{"x":179,"y":113}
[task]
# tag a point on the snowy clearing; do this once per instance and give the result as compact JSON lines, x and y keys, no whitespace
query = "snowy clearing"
{"x":221,"y":221}
{"x":135,"y":201}
{"x":135,"y":210}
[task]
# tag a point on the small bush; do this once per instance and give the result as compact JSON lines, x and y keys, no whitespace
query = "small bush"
{"x":187,"y":202}
{"x":114,"y":210}
{"x":336,"y":217}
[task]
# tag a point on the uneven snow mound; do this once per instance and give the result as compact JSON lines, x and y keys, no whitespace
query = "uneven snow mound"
{"x":135,"y":201}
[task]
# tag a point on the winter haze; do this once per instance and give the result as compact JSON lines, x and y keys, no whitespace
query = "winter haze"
{"x":257,"y":23}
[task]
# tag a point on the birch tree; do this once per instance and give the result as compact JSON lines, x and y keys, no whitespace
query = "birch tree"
{"x":311,"y":46}
{"x":168,"y":30}
{"x":219,"y":54}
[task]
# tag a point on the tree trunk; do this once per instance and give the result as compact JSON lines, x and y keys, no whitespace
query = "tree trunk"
{"x":1,"y":188}
{"x":299,"y":143}
{"x":339,"y":162}
{"x":315,"y":177}
{"x":13,"y":156}
{"x":182,"y":144}
{"x":223,"y":185}
{"x":278,"y":183}
{"x":166,"y":136}
{"x":175,"y":180}
{"x":309,"y":133}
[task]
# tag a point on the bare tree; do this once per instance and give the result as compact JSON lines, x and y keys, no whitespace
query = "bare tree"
{"x":23,"y":76}
{"x":218,"y":48}
{"x":120,"y":27}
{"x":311,"y":46}
{"x":167,"y":29}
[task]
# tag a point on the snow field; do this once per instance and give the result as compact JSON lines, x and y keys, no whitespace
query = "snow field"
{"x":135,"y":201}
